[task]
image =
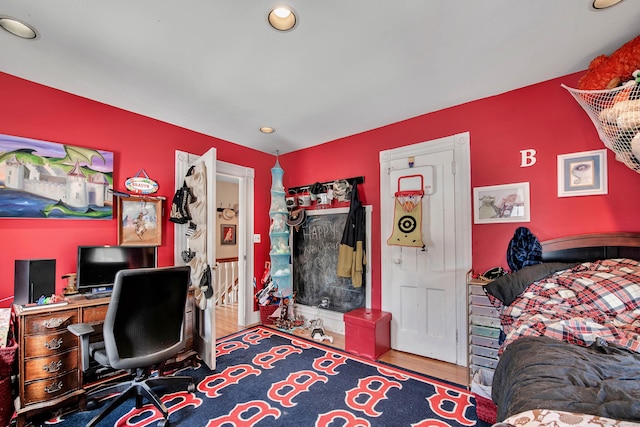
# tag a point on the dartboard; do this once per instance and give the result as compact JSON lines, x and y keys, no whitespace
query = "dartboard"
{"x":407,"y":224}
{"x":407,"y":227}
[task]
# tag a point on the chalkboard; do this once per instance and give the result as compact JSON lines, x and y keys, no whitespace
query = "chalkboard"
{"x":315,"y":261}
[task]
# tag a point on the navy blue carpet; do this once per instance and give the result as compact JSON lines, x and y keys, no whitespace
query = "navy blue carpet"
{"x":265,"y":377}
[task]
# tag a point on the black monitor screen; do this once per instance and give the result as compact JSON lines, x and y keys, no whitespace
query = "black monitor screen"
{"x":98,"y":265}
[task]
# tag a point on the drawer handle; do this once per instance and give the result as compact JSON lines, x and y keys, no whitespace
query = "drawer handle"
{"x":53,"y":388}
{"x":53,"y":366}
{"x":54,"y":322}
{"x":54,"y":344}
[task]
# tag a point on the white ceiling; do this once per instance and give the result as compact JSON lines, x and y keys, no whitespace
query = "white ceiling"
{"x":216,"y":66}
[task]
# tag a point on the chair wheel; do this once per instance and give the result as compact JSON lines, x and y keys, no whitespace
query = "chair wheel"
{"x":191,"y":388}
{"x":163,"y":423}
{"x":92,"y":404}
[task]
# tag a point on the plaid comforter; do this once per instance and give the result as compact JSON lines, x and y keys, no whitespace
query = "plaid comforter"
{"x":592,"y":301}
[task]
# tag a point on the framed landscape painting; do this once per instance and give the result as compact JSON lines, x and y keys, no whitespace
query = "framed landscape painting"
{"x":41,"y":179}
{"x":501,"y":203}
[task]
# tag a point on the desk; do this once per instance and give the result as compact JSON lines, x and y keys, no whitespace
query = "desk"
{"x":49,"y":360}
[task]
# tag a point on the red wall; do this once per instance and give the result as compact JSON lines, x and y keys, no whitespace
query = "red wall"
{"x":34,"y":111}
{"x":543,"y":117}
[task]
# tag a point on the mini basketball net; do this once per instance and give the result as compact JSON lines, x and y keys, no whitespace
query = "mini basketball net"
{"x":407,"y":219}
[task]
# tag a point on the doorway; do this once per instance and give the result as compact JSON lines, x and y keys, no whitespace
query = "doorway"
{"x":244,"y":238}
{"x":424,"y":288}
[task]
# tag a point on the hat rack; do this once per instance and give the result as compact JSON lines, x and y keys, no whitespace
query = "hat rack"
{"x":351,"y":181}
{"x":220,"y":210}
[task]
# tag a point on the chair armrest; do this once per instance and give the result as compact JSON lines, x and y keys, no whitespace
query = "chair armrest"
{"x":80,"y":329}
{"x":83,"y":332}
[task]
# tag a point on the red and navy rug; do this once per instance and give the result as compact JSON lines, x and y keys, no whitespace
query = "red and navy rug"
{"x":268,"y":378}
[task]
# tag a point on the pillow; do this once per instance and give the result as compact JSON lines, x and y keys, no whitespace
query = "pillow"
{"x":507,"y":288}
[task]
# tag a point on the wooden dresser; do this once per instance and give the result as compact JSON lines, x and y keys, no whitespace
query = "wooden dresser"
{"x":49,"y":360}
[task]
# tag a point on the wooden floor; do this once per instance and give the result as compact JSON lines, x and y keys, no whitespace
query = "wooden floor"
{"x":227,"y":319}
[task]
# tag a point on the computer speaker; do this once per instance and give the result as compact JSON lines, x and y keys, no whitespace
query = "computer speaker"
{"x":34,"y":278}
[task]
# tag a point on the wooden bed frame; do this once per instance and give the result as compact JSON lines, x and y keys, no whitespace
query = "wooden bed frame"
{"x":592,"y":247}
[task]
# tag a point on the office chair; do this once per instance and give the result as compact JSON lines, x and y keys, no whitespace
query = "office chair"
{"x":143,"y":328}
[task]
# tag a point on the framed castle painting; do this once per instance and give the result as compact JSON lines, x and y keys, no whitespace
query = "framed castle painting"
{"x":41,"y":179}
{"x":501,"y":203}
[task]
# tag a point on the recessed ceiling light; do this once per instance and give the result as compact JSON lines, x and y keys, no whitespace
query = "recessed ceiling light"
{"x":267,"y":129}
{"x":282,"y":18}
{"x":603,"y":4}
{"x":17,"y":28}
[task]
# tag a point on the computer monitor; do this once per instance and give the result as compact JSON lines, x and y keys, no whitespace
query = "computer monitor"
{"x":98,"y":265}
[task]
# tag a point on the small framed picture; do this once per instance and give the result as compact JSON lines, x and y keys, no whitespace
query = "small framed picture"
{"x":139,"y":221}
{"x":501,"y":203}
{"x":582,"y":174}
{"x":227,"y":234}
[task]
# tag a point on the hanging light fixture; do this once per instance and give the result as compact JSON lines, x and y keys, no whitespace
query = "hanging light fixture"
{"x":17,"y":27}
{"x":282,"y":18}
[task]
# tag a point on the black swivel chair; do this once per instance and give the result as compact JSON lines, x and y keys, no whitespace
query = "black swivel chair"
{"x":143,"y":328}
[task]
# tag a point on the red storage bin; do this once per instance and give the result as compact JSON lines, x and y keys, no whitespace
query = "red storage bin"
{"x":486,"y":410}
{"x":7,"y":357}
{"x":367,"y":332}
{"x":266,"y":311}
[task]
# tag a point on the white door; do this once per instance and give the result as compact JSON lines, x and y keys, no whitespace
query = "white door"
{"x":423,"y":288}
{"x":204,"y":339}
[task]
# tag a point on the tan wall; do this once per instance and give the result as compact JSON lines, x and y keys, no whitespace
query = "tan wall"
{"x":227,"y":197}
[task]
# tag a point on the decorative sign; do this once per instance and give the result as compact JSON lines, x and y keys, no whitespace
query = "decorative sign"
{"x":141,"y":184}
{"x":528,"y":157}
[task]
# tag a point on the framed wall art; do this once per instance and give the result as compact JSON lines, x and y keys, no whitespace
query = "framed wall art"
{"x":227,"y":234}
{"x":501,"y":203}
{"x":139,"y":221}
{"x":41,"y":179}
{"x":582,"y":174}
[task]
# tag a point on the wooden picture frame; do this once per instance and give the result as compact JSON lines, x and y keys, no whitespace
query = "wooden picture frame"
{"x":582,"y":174}
{"x":501,"y":203}
{"x":227,"y":234}
{"x":139,"y":221}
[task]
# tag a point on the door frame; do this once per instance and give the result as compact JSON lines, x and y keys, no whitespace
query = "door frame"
{"x":245,"y":178}
{"x":460,"y":144}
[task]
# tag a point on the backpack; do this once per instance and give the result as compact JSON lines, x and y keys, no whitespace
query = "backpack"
{"x":180,"y":204}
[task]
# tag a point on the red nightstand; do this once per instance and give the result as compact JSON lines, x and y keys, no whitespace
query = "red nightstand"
{"x":367,"y":332}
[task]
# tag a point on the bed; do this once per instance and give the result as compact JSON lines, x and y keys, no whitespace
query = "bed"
{"x":571,"y":350}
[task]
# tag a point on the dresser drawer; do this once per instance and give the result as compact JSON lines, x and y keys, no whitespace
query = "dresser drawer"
{"x":50,"y":366}
{"x":95,"y":315}
{"x":50,"y":322}
{"x":492,"y":322}
{"x":476,"y":290}
{"x":482,"y":310}
{"x":480,"y":300}
{"x":484,"y":351}
{"x":50,"y":388}
{"x":485,"y":331}
{"x":49,"y":345}
{"x":475,"y":368}
{"x":487,"y":362}
{"x":485,"y":341}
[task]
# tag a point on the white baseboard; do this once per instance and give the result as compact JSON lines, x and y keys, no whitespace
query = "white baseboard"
{"x":331,"y":320}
